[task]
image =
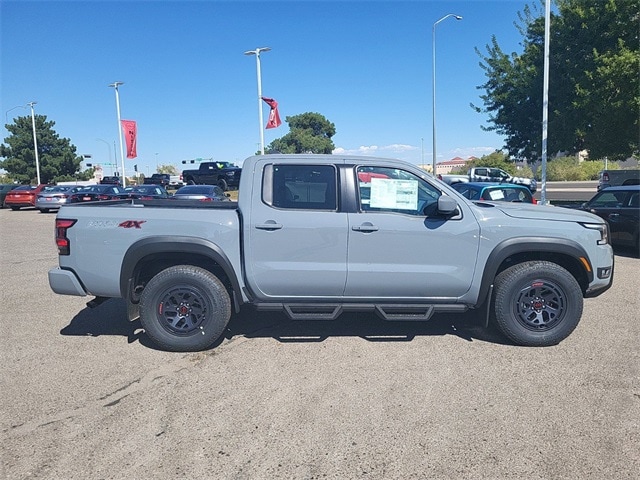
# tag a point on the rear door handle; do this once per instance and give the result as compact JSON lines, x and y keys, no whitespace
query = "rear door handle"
{"x":269,"y":225}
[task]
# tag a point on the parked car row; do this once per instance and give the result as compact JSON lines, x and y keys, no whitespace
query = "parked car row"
{"x":51,"y":197}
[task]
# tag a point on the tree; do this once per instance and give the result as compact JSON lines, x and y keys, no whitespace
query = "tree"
{"x":57,"y":156}
{"x":308,"y":133}
{"x":170,"y":169}
{"x":594,"y":87}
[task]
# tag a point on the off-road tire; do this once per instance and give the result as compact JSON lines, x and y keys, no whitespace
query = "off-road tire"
{"x":537,"y":303}
{"x":184,"y":309}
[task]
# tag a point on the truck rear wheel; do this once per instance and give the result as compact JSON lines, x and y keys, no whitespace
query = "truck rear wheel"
{"x":185,"y":308}
{"x":537,"y":304}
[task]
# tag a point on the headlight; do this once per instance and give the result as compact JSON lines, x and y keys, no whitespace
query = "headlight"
{"x":603,"y":228}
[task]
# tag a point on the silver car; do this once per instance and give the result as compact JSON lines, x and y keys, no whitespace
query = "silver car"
{"x":203,"y":193}
{"x":51,"y":198}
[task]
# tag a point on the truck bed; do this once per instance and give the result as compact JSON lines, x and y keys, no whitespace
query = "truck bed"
{"x":160,"y":203}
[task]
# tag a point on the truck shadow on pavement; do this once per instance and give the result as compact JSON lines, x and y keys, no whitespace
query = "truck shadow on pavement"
{"x":110,"y":318}
{"x":252,"y":324}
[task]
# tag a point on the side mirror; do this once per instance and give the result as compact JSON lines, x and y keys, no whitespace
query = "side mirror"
{"x":447,"y":205}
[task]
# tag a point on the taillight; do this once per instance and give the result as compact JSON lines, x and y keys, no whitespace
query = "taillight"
{"x":62,"y":225}
{"x":207,"y":199}
{"x":605,"y":177}
{"x":534,"y":201}
{"x":103,"y":197}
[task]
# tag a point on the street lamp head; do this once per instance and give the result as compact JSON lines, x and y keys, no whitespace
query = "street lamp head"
{"x":448,"y":15}
{"x":257,"y":51}
{"x":31,"y":104}
{"x":116,"y":84}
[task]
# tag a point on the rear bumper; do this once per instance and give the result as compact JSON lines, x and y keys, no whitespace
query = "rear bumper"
{"x":65,"y":282}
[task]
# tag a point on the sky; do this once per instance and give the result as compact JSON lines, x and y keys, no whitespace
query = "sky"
{"x":366,"y":66}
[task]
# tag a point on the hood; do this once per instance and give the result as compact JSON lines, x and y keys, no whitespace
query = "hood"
{"x":541,"y":212}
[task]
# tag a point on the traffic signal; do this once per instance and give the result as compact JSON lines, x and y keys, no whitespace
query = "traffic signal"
{"x":135,"y":167}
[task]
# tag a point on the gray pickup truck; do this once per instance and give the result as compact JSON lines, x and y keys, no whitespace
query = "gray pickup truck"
{"x":318,"y":235}
{"x":490,"y":174}
{"x":616,"y":178}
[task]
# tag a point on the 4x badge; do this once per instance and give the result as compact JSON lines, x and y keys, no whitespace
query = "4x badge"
{"x":132,"y":223}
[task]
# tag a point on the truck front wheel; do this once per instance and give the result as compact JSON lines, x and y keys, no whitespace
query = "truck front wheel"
{"x":184,"y":309}
{"x":537,"y":303}
{"x":222,"y":183}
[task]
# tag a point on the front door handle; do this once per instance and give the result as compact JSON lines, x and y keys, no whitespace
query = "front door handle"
{"x":365,"y":227}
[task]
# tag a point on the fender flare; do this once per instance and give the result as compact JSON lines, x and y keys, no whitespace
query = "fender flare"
{"x":514,"y":246}
{"x":171,"y":244}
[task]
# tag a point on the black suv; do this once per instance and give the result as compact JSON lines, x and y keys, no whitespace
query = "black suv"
{"x":620,"y":207}
{"x":110,"y":181}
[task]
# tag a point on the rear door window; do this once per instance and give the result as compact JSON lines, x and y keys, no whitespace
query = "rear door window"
{"x":300,"y":187}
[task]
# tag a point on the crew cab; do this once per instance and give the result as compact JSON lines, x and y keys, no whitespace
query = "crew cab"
{"x":318,"y":235}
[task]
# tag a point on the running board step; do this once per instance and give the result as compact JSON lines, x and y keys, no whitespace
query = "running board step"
{"x":389,"y":312}
{"x":312,"y":311}
{"x":403,"y":313}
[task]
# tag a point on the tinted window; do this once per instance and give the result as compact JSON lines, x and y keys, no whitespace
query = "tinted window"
{"x":608,"y":199}
{"x":307,"y":187}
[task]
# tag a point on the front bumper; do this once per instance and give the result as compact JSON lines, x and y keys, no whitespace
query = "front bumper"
{"x":65,"y":282}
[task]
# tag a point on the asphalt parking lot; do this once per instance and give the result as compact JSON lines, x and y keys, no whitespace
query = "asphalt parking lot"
{"x":86,"y":396}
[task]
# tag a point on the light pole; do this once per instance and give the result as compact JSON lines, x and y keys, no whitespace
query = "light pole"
{"x":257,"y":52}
{"x":35,"y":140}
{"x":115,"y":85}
{"x":433,"y":42}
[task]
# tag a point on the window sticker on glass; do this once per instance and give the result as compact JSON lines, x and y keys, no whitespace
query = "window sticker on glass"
{"x":395,"y":194}
{"x":496,"y":194}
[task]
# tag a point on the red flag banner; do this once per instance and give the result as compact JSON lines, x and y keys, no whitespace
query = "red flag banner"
{"x":274,"y":116}
{"x":130,"y":130}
